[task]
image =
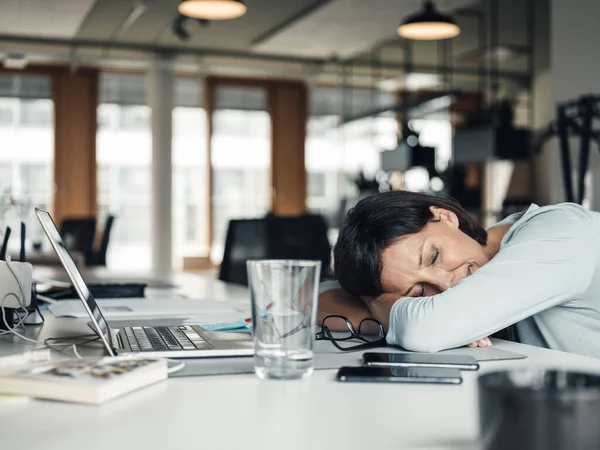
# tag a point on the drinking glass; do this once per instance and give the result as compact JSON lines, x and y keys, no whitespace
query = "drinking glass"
{"x":284,"y":311}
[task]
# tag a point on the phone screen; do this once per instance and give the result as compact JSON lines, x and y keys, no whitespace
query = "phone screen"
{"x":400,"y":375}
{"x":463,"y":362}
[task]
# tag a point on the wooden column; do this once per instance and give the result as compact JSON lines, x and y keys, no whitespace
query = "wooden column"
{"x":75,"y":102}
{"x":288,"y":108}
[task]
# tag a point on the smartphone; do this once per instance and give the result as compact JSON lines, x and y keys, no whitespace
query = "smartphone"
{"x":366,"y":374}
{"x":462,"y":362}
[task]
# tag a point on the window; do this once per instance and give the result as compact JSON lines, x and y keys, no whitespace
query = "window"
{"x":316,"y":184}
{"x":190,"y":188}
{"x":6,"y":116}
{"x":134,"y":118}
{"x":240,"y":158}
{"x":336,"y":154}
{"x":36,"y":113}
{"x":27,"y":150}
{"x":123,"y":156}
{"x":432,"y":133}
{"x":436,"y":133}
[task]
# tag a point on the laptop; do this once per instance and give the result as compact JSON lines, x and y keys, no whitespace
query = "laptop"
{"x":179,"y":341}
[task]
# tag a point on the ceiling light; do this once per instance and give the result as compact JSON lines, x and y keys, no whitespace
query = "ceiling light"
{"x":212,"y":9}
{"x":428,"y":25}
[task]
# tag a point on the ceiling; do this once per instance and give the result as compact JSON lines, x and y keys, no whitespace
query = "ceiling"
{"x":282,"y":38}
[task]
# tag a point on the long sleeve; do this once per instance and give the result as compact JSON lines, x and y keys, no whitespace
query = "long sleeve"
{"x":328,"y":285}
{"x":548,"y":260}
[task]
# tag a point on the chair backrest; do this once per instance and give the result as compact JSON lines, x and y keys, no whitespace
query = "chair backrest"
{"x":4,"y":249}
{"x":98,"y":257}
{"x":78,"y":233}
{"x":274,"y":237}
{"x":106,"y":234}
{"x":246,"y":239}
{"x":301,"y":237}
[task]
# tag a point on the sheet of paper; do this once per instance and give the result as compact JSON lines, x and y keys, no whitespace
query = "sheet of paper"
{"x":195,"y":311}
{"x":239,"y":325}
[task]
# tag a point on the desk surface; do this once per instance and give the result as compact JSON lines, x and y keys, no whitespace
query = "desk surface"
{"x":240,"y":411}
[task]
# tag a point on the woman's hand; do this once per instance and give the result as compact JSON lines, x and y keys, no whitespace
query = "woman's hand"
{"x":485,"y":342}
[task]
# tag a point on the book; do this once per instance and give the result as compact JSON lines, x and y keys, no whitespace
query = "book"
{"x":89,"y":381}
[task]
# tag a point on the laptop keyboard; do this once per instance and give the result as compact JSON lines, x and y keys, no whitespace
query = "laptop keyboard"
{"x":147,"y":339}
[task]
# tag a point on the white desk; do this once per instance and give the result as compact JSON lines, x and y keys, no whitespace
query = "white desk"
{"x":234,"y":412}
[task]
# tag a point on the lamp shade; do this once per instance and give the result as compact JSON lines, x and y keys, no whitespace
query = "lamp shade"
{"x":212,"y":9}
{"x":428,"y":25}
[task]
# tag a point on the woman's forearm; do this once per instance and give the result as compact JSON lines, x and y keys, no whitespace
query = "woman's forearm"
{"x":342,"y":303}
{"x":381,"y":306}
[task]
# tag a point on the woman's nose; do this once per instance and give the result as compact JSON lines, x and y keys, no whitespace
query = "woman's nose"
{"x":444,"y":279}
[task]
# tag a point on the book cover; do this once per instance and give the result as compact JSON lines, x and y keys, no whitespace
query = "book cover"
{"x":90,"y":381}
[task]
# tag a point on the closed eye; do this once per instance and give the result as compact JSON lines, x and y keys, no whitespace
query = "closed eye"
{"x":435,"y":257}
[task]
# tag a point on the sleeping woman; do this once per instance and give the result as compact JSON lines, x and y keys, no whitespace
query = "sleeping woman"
{"x":436,"y":279}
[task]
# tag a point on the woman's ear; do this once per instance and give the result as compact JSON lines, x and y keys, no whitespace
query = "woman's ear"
{"x":444,"y":216}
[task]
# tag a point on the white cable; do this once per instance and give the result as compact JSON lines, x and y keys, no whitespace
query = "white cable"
{"x":76,"y":352}
{"x":20,"y":301}
{"x":12,"y":330}
{"x":176,"y":368}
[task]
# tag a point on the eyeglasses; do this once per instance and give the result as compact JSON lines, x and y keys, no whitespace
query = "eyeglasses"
{"x":370,"y":332}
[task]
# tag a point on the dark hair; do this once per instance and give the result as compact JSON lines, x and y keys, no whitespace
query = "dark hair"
{"x":378,"y":221}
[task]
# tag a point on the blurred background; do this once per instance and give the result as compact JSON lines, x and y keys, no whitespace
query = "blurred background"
{"x":147,"y":126}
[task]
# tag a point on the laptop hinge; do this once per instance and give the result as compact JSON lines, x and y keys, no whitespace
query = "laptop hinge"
{"x":115,"y":338}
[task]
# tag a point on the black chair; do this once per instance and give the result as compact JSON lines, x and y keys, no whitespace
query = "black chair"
{"x":97,"y":257}
{"x":246,"y":239}
{"x":273,"y":237}
{"x":78,"y":233}
{"x":301,"y":237}
{"x":4,"y":249}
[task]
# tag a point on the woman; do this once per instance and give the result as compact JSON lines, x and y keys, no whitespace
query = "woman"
{"x":436,"y":279}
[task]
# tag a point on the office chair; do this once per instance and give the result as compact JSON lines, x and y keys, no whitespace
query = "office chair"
{"x":274,"y":237}
{"x":246,"y":239}
{"x":97,"y":257}
{"x":78,"y":233}
{"x":4,"y":249}
{"x":301,"y":237}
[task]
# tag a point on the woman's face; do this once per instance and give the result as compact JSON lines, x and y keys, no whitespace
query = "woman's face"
{"x":432,"y":260}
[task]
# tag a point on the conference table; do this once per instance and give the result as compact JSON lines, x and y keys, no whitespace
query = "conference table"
{"x":241,"y":411}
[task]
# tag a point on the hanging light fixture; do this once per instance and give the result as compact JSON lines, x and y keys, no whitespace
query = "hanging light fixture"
{"x":428,"y":25}
{"x":212,"y":9}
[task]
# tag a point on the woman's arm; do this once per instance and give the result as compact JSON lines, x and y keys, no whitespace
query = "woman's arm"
{"x":342,"y":303}
{"x":380,"y":309}
{"x":548,"y":261}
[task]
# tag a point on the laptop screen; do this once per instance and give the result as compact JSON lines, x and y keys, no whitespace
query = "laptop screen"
{"x":89,"y":302}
